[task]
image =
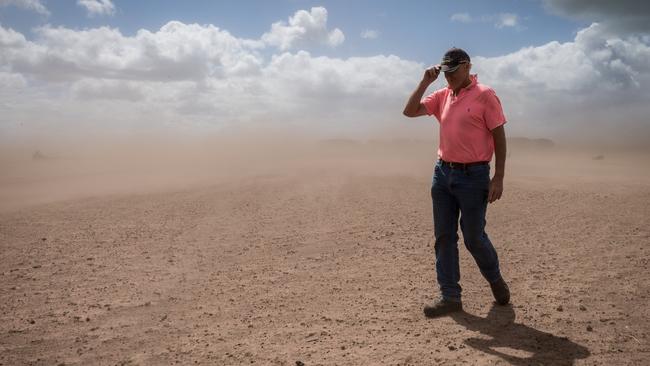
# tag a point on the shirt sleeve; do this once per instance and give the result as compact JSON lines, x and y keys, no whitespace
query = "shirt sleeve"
{"x":432,"y":103}
{"x":493,"y":112}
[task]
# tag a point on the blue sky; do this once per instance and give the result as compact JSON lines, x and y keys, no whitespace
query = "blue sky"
{"x":563,"y":69}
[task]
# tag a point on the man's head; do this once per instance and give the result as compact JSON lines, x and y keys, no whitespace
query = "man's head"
{"x":456,"y":65}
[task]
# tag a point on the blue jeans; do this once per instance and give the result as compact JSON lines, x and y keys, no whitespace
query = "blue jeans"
{"x":464,"y":193}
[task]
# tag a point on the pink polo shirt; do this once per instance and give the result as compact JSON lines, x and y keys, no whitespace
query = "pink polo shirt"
{"x":466,"y":121}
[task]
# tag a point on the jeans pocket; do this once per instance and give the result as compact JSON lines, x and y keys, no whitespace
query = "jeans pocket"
{"x":437,"y":172}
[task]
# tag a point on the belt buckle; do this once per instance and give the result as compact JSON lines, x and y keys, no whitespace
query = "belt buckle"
{"x":462,"y":166}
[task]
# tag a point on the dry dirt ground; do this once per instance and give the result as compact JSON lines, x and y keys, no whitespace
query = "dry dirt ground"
{"x":321,"y":259}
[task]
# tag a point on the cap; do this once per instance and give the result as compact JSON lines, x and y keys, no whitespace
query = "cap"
{"x":452,"y":59}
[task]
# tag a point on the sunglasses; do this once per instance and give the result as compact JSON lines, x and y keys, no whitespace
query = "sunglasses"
{"x":455,"y":67}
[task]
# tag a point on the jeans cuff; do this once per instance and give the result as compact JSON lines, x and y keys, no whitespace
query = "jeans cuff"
{"x":451,"y":299}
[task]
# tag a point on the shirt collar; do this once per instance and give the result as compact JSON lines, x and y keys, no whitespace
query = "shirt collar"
{"x":474,"y":79}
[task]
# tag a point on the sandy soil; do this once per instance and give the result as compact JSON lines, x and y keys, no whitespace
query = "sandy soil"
{"x":314,"y":254}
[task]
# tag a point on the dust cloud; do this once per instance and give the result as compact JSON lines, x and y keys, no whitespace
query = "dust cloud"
{"x":47,"y":170}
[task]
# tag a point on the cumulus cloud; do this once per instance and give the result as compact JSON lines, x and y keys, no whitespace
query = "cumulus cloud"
{"x":108,"y":89}
{"x":595,"y":86}
{"x":11,"y":82}
{"x":622,"y":16}
{"x":97,"y":7}
{"x":335,"y":79}
{"x":198,"y":75}
{"x":175,"y":52}
{"x":33,"y":5}
{"x":10,"y":39}
{"x":461,"y":17}
{"x":507,"y":20}
{"x":594,"y":60}
{"x":370,"y":34}
{"x":588,"y":84}
{"x":501,"y":20}
{"x":303,"y":29}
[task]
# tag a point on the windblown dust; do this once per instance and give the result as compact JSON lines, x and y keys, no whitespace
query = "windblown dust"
{"x":285,"y":249}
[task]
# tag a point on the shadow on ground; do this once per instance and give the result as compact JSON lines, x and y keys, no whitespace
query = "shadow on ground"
{"x":516,"y":343}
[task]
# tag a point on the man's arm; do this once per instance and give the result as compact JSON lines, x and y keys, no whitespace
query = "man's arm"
{"x":414,"y":107}
{"x":496,"y":184}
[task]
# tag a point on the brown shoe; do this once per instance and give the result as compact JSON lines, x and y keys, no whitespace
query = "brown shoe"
{"x":442,"y":307}
{"x":501,"y":292}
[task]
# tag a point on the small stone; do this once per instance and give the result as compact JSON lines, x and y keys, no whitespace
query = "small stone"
{"x":43,"y":239}
{"x":451,"y":348}
{"x":32,"y":321}
{"x":300,"y":363}
{"x":583,"y":308}
{"x":559,"y":308}
{"x":589,"y":328}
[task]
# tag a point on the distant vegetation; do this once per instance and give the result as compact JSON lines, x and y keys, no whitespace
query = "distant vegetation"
{"x":38,"y":155}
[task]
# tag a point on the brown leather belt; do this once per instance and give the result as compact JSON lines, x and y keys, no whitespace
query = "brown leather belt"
{"x":462,"y":165}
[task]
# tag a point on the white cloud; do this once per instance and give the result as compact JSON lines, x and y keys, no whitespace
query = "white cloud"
{"x":34,"y":5}
{"x":11,"y":82}
{"x":304,"y":29}
{"x":506,"y":20}
{"x":108,"y":89}
{"x":97,"y":7}
{"x":335,"y":37}
{"x":596,"y":85}
{"x":501,"y":20}
{"x":305,"y":76}
{"x":370,"y":34}
{"x":594,"y":60}
{"x":203,"y":76}
{"x":461,"y":17}
{"x":175,"y":52}
{"x":9,"y":39}
{"x":196,"y":75}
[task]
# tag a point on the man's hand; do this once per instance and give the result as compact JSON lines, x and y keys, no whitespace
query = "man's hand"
{"x":496,"y":189}
{"x":496,"y":184}
{"x":431,"y":74}
{"x":414,"y":106}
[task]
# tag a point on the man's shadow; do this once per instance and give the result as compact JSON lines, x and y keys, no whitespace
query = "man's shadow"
{"x":546,"y":349}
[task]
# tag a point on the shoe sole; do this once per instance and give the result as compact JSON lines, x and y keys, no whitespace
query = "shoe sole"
{"x":431,"y":313}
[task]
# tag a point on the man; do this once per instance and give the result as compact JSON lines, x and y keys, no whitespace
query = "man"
{"x":471,"y":130}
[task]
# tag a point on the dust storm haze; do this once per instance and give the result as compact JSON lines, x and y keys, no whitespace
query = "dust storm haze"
{"x":58,"y":169}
